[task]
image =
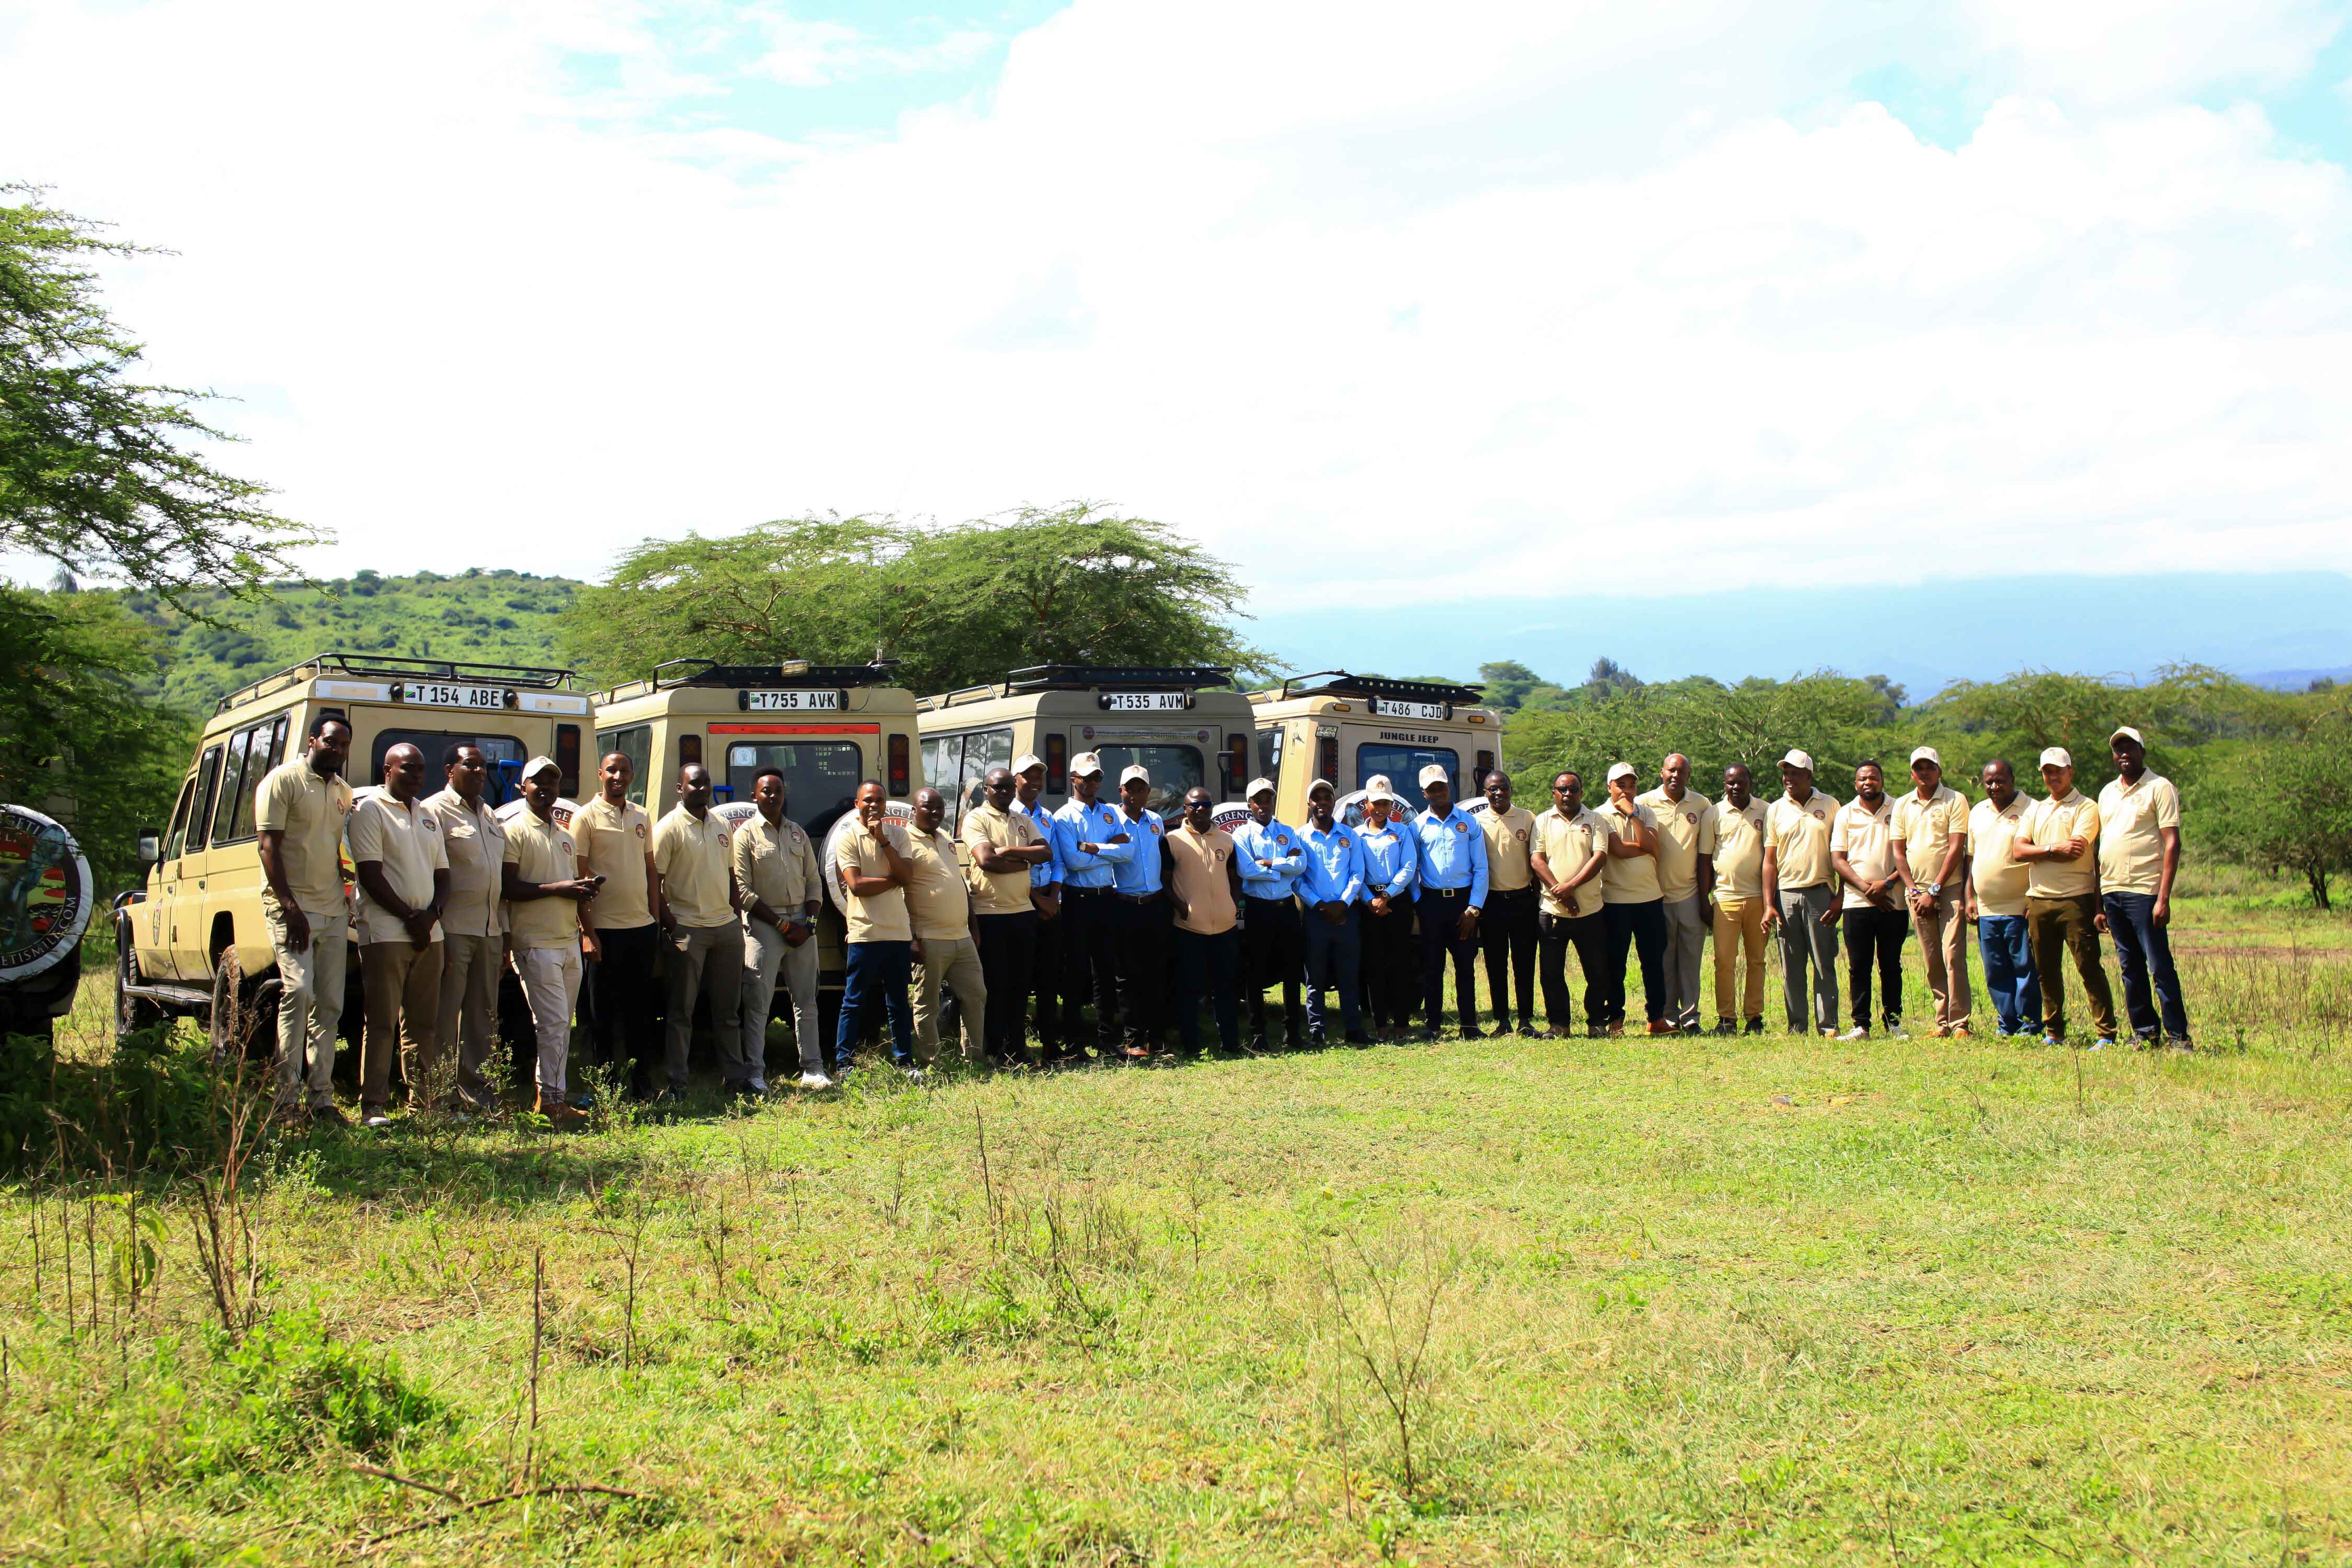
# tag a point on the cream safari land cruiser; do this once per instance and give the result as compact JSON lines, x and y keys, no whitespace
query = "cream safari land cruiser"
{"x":1348,"y":728}
{"x":202,"y":897}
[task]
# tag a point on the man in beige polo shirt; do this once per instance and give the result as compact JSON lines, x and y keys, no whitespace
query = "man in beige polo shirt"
{"x":298,"y":813}
{"x":1633,"y":903}
{"x":701,"y":933}
{"x":1931,"y":841}
{"x":1008,"y":848}
{"x":1685,"y":882}
{"x":616,"y":840}
{"x":1802,"y":891}
{"x":404,"y":875}
{"x":545,"y":891}
{"x":1569,"y":849}
{"x":939,"y":908}
{"x":473,"y":922}
{"x":2139,"y":855}
{"x":778,"y":883}
{"x":1739,"y":903}
{"x":1204,"y":885}
{"x":873,"y":866}
{"x":1506,"y":921}
{"x":1996,"y":883}
{"x":1861,"y":853}
{"x":2058,"y":844}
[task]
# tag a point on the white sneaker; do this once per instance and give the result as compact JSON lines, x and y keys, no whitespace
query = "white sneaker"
{"x":1859,"y":1032}
{"x":815,"y":1080}
{"x":375,"y":1119}
{"x":916,"y":1075}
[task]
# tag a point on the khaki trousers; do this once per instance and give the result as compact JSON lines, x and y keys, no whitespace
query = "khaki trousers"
{"x":766,"y":959}
{"x":469,"y":1010}
{"x":309,"y":1007}
{"x":705,"y":958}
{"x":958,"y":964}
{"x":2058,"y":927}
{"x":401,"y":984}
{"x":1944,"y":942}
{"x":1740,"y":931}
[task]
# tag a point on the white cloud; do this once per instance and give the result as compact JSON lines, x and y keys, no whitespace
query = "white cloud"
{"x":1588,"y":294}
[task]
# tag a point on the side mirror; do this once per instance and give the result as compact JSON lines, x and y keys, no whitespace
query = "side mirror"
{"x":151,"y":846}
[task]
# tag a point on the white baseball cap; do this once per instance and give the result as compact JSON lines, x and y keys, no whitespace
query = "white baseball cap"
{"x":1135,"y":770}
{"x":2123,"y":729}
{"x":1622,"y":771}
{"x":1927,"y":755}
{"x":1435,"y":773}
{"x":1380,"y":784}
{"x":1024,"y":762}
{"x":538,"y":765}
{"x":1321,"y":783}
{"x":1798,"y":759}
{"x":1086,"y":763}
{"x":2057,"y":757}
{"x":1378,"y":790}
{"x":1256,"y":786}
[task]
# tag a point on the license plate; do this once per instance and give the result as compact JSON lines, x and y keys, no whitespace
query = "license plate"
{"x":431,"y":695}
{"x":793,"y":702}
{"x":1144,"y":701}
{"x":1430,"y":712}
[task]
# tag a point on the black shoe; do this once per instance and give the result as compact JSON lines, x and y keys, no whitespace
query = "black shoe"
{"x":1527,"y":1029}
{"x":1358,"y":1037}
{"x":2181,"y":1043}
{"x":1755,"y":1025}
{"x":1429,"y":1036}
{"x":1472,"y":1032}
{"x":1725,"y":1026}
{"x":1256,"y":1045}
{"x":1317,"y":1042}
{"x":1693,"y":1027}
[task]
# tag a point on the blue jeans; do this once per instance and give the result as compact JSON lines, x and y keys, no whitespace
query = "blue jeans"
{"x":2144,"y":952}
{"x":2009,"y":973}
{"x":878,"y":972}
{"x":1332,"y":951}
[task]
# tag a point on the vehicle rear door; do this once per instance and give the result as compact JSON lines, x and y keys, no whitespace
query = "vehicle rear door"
{"x":233,"y":879}
{"x":183,"y":895}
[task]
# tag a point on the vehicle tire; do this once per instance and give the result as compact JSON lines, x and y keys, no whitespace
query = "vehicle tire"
{"x":131,"y":1014}
{"x":235,"y":1020}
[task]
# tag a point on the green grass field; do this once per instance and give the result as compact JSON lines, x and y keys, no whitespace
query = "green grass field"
{"x":1761,"y":1302}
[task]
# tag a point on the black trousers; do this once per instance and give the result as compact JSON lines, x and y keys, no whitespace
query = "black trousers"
{"x":624,"y":1003}
{"x":1507,"y":934}
{"x":1046,"y":979}
{"x":1440,"y":914}
{"x":1143,"y":959}
{"x":1089,"y":965}
{"x":1208,"y":966}
{"x":1388,"y":965}
{"x":1589,"y":934}
{"x":1642,"y":928}
{"x":1008,"y":962}
{"x":1273,"y":950}
{"x":1875,"y":936}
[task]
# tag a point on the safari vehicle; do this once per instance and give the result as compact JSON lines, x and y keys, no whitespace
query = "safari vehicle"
{"x":1347,"y":728}
{"x":1186,"y":724}
{"x":202,"y":897}
{"x":826,"y":727}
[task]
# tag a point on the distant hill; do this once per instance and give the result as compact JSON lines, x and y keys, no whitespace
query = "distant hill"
{"x":487,"y":617}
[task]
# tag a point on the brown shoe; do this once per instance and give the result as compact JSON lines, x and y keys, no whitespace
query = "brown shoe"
{"x":1660,"y":1026}
{"x":561,"y":1115}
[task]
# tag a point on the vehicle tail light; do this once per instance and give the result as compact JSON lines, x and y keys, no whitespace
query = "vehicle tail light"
{"x":898,"y":768}
{"x":567,"y":758}
{"x":689,"y":751}
{"x":1236,"y":766}
{"x":1057,"y":765}
{"x":1327,"y":758}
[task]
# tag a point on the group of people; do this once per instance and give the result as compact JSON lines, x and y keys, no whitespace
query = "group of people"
{"x":1118,"y":923}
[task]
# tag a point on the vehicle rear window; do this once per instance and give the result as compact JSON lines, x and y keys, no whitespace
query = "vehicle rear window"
{"x":505,"y":754}
{"x":1173,"y":769}
{"x":1403,"y":764}
{"x":821,"y":777}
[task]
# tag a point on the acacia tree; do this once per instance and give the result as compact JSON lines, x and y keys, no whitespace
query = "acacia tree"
{"x":954,"y":605}
{"x":2286,"y":803}
{"x":94,"y":470}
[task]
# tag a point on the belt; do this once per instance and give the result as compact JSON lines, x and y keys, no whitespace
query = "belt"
{"x":1259,"y":898}
{"x":1070,"y":893}
{"x":1527,"y":892}
{"x":1445,"y":893}
{"x":1138,"y":898}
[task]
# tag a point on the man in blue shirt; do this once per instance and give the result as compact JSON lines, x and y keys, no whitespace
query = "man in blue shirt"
{"x":1453,"y":852}
{"x":1046,"y":894}
{"x":1330,"y":887}
{"x":1090,"y":843}
{"x":1143,"y":920}
{"x":1390,"y":968}
{"x":1272,"y":948}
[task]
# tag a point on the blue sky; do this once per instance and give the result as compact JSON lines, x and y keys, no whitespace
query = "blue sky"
{"x":1518,"y":317}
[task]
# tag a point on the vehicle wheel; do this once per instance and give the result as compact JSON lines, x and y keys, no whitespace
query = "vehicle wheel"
{"x":233,"y":1022}
{"x":131,"y":1014}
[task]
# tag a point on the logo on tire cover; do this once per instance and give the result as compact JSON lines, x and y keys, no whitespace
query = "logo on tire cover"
{"x":45,"y":893}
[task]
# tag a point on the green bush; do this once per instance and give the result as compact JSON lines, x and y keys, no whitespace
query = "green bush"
{"x":153,"y":1108}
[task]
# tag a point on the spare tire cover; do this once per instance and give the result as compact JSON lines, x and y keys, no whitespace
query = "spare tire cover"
{"x":45,"y":893}
{"x":898,"y":811}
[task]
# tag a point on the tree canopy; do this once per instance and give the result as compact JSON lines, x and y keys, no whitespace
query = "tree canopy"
{"x":95,"y":472}
{"x":954,"y":605}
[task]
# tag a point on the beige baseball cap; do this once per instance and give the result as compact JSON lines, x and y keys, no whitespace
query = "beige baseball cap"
{"x":2057,"y":757}
{"x":1798,"y":759}
{"x":1435,"y":773}
{"x":1321,"y":783}
{"x":1927,"y":755}
{"x":1256,"y":787}
{"x":1024,"y":762}
{"x":2124,"y":731}
{"x":1622,"y":771}
{"x":538,"y":765}
{"x":1086,"y":764}
{"x":1135,"y":770}
{"x":1380,"y":784}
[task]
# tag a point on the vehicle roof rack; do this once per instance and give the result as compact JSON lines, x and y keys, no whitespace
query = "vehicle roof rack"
{"x":396,"y":666}
{"x":1039,"y":678}
{"x":792,"y":672}
{"x":1343,"y":684}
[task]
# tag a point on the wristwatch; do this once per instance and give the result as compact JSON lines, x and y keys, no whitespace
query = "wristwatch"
{"x":1935,"y":890}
